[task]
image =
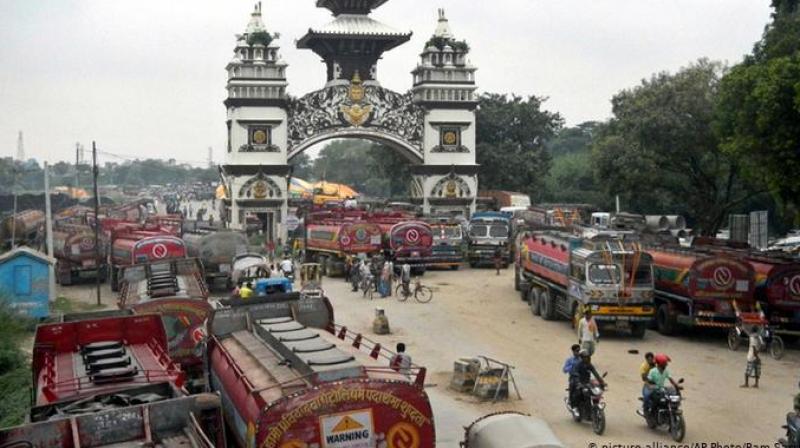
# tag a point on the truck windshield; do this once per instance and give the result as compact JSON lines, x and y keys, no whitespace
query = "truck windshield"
{"x":498,"y":231}
{"x":644,"y":275}
{"x":478,"y":230}
{"x":604,"y":274}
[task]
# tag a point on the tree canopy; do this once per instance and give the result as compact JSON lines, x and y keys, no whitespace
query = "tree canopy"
{"x":511,"y":142}
{"x":758,"y":112}
{"x":660,"y":153}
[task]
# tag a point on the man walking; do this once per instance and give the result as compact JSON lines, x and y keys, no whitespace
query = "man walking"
{"x":753,"y":360}
{"x":588,"y":333}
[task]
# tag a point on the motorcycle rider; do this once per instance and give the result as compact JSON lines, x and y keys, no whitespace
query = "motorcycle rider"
{"x":581,"y":378}
{"x":657,"y":378}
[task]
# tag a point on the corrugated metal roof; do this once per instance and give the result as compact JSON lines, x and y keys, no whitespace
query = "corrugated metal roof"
{"x":358,"y":25}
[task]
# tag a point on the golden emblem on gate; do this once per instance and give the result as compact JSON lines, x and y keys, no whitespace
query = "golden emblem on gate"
{"x":260,"y":190}
{"x":356,"y":114}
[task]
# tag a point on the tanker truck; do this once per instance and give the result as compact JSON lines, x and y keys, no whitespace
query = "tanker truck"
{"x":330,"y":241}
{"x":130,"y":248}
{"x":74,"y":249}
{"x":24,"y":228}
{"x":284,"y":384}
{"x":216,"y":249}
{"x":448,"y":242}
{"x":560,"y":275}
{"x":700,"y":287}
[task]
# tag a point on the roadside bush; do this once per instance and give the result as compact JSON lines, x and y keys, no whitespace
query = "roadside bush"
{"x":15,"y":376}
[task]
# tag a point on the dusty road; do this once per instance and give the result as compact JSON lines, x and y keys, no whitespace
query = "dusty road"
{"x":475,"y":312}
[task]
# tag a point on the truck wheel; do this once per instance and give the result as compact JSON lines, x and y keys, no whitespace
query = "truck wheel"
{"x":517,"y":283}
{"x":638,"y":329}
{"x":665,"y":321}
{"x":534,"y":302}
{"x":548,"y":306}
{"x":65,"y":278}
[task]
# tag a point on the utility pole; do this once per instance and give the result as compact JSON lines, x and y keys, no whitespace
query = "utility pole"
{"x":96,"y":222}
{"x":77,"y":164}
{"x":48,"y":215}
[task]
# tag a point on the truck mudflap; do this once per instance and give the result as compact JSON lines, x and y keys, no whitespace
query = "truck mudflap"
{"x":359,"y":412}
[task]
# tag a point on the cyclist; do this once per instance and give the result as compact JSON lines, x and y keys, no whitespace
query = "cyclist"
{"x":405,"y":278}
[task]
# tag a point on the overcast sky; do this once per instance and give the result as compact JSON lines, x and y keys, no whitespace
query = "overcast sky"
{"x":146,"y":78}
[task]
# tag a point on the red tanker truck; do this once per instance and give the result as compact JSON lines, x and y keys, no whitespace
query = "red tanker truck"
{"x":698,"y":287}
{"x":409,"y":240}
{"x":777,"y":281}
{"x":284,"y":384}
{"x":177,"y":291}
{"x":560,"y":275}
{"x":106,"y":380}
{"x":330,"y":241}
{"x":130,"y":248}
{"x":74,"y":249}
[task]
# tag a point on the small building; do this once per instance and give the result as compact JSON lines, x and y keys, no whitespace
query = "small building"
{"x":25,"y":280}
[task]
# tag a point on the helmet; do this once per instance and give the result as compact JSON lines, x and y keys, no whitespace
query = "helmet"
{"x":662,"y":359}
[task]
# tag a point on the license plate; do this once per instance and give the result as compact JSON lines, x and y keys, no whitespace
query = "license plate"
{"x":225,"y":268}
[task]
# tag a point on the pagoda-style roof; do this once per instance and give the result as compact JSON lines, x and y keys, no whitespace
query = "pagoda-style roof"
{"x":338,"y":7}
{"x":353,"y":26}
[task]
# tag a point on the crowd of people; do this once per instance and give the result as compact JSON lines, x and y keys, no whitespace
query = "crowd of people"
{"x":378,"y":272}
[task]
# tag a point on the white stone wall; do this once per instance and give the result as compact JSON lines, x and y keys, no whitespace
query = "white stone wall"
{"x":240,"y":118}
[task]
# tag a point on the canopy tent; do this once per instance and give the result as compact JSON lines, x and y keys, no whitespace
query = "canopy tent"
{"x":300,"y":189}
{"x":333,"y":191}
{"x":221,"y":192}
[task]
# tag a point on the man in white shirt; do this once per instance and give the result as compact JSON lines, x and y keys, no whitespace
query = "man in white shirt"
{"x":588,"y":333}
{"x":401,"y":362}
{"x":287,"y":267}
{"x":753,"y":360}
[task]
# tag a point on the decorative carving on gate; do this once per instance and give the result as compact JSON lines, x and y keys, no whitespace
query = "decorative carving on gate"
{"x":260,"y":187}
{"x":358,"y":105}
{"x":451,"y":186}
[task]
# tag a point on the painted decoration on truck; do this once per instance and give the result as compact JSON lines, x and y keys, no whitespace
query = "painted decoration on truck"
{"x":351,"y":414}
{"x":184,"y":320}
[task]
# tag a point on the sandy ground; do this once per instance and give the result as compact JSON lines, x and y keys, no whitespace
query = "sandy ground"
{"x":475,"y":312}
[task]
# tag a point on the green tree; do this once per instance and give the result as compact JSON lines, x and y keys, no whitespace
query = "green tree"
{"x":659,"y":151}
{"x":511,"y":136}
{"x":758,"y":112}
{"x":301,"y":166}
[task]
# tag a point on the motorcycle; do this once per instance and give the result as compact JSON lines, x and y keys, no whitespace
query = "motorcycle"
{"x":591,"y":407}
{"x":665,"y":412}
{"x":792,"y":428}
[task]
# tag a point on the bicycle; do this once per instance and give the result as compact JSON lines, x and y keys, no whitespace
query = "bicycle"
{"x":421,"y":293}
{"x":367,"y":286}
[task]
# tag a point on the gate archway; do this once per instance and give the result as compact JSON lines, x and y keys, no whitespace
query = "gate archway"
{"x":432,"y":125}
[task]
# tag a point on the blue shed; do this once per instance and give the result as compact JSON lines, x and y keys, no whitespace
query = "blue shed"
{"x":24,"y":281}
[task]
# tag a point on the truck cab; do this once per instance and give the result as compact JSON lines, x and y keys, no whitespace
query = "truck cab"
{"x":489,"y":231}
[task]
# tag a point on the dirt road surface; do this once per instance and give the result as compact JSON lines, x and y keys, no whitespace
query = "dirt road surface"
{"x":475,"y":312}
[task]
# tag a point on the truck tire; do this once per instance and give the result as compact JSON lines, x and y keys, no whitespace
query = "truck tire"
{"x":65,"y":278}
{"x":534,"y":302}
{"x":638,"y":330}
{"x":517,"y":282}
{"x":665,"y":321}
{"x":547,"y":305}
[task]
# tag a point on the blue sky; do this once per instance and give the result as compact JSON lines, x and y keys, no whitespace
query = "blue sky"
{"x":146,"y":78}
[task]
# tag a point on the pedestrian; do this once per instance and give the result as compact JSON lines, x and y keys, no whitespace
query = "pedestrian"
{"x":390,"y":276}
{"x":270,"y":250}
{"x":405,"y":278}
{"x":401,"y":362}
{"x":588,"y":333}
{"x":348,"y":268}
{"x":498,"y":259}
{"x":274,"y":272}
{"x":386,"y":277}
{"x":355,"y":272}
{"x":753,"y":369}
{"x":246,"y":291}
{"x":279,"y":249}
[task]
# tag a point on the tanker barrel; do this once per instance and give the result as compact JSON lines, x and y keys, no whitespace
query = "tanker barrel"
{"x":678,"y":233}
{"x":510,"y":430}
{"x":657,"y":222}
{"x":629,"y":221}
{"x":676,"y":222}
